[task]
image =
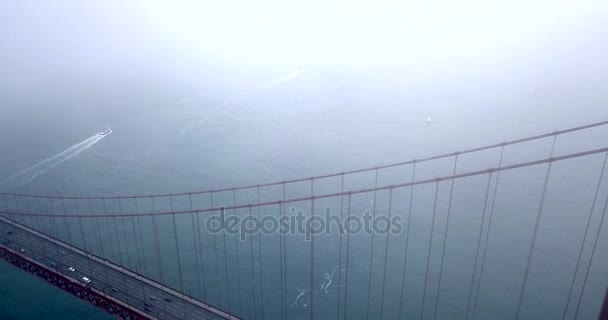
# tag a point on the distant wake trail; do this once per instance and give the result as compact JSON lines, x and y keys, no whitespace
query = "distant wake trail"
{"x":242,"y":97}
{"x":31,"y":173}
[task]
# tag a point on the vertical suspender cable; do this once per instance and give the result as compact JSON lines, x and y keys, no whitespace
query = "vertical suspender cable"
{"x":200,"y":268}
{"x":53,"y":223}
{"x":487,"y":237}
{"x":84,"y":240}
{"x":21,"y":217}
{"x":238,"y":264}
{"x":8,"y":209}
{"x":522,"y":291}
{"x":341,"y":231}
{"x":445,"y":238}
{"x":597,"y":237}
{"x":347,"y":269}
{"x":179,"y":260}
{"x":26,"y":219}
{"x":42,"y":220}
{"x":312,"y":251}
{"x":281,"y":266}
{"x":136,"y":231}
{"x":159,"y":258}
{"x":253,"y":304}
{"x":284,"y":254}
{"x":226,"y":278}
{"x":141,"y":240}
{"x":261,"y":257}
{"x":217,"y":266}
{"x":580,"y":251}
{"x":65,"y":220}
{"x":124,"y":234}
{"x":201,"y":255}
{"x":52,"y":220}
{"x":371,"y":251}
{"x":428,"y":255}
{"x":105,"y":212}
{"x":118,"y":246}
{"x":407,"y":243}
{"x":390,"y":203}
{"x":481,"y":224}
{"x":97,"y":231}
{"x":33,"y":221}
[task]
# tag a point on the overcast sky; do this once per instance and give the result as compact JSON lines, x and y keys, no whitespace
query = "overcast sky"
{"x":69,"y":31}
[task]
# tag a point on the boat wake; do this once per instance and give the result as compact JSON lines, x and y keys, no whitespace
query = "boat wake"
{"x":24,"y":176}
{"x":298,"y":302}
{"x":328,"y":278}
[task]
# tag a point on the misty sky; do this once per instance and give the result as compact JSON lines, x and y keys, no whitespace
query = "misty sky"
{"x":70,"y":47}
{"x":102,"y":37}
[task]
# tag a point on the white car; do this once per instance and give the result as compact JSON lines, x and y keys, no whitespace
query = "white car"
{"x":71,"y":269}
{"x":22,"y":250}
{"x":86,"y":280}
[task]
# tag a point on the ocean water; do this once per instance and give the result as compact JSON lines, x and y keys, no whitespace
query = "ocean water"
{"x":272,"y":125}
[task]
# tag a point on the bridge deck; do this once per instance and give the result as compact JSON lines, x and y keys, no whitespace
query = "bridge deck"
{"x":113,"y":281}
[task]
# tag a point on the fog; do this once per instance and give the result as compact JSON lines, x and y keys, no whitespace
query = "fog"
{"x":73,"y":67}
{"x":43,"y":40}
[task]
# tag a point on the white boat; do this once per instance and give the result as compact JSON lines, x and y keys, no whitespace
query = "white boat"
{"x":105,"y":131}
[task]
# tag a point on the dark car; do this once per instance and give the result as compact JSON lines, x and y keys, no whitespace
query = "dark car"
{"x":114,"y":289}
{"x":168,"y":300}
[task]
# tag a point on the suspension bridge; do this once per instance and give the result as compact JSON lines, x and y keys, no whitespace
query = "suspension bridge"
{"x":512,"y":230}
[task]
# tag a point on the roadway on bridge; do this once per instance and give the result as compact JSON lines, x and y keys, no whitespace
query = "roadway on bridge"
{"x":114,"y":281}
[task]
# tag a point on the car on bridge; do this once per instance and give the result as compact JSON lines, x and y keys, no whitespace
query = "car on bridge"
{"x":148,"y":306}
{"x":86,"y":280}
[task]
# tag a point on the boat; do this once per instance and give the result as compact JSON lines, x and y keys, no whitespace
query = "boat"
{"x":105,"y":131}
